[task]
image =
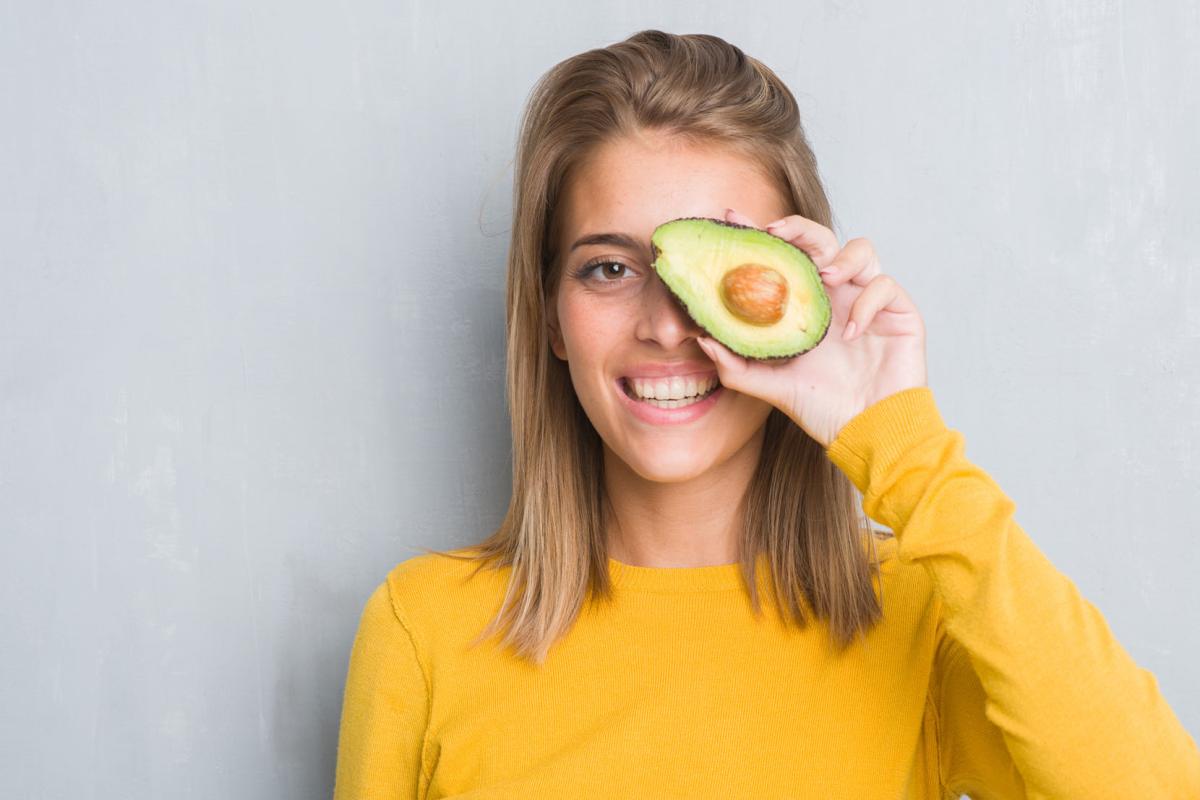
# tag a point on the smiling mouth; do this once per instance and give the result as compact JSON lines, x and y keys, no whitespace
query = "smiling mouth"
{"x":672,"y":403}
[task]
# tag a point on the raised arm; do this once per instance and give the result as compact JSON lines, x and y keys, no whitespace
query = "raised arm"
{"x":1078,"y":717}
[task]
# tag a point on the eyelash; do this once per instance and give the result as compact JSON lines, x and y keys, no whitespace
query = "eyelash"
{"x":590,"y":266}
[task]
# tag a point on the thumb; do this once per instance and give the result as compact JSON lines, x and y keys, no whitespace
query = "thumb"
{"x":733,"y":370}
{"x":765,"y":381}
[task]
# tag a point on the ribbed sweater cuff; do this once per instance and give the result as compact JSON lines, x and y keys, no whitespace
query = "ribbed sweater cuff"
{"x":871,"y":442}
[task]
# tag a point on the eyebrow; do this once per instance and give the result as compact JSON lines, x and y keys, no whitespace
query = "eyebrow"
{"x":618,"y":239}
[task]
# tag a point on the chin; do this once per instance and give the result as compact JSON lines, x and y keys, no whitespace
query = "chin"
{"x":667,"y":467}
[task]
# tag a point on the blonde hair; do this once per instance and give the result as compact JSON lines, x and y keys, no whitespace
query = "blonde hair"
{"x":799,"y":510}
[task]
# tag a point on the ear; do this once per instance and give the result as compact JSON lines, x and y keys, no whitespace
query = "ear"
{"x":553,"y":328}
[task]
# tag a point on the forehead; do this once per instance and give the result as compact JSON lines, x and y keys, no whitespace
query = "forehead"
{"x":633,"y":184}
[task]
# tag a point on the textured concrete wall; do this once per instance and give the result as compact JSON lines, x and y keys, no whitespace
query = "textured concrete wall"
{"x":251,"y":315}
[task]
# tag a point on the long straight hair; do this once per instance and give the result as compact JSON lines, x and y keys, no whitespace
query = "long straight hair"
{"x":799,"y":510}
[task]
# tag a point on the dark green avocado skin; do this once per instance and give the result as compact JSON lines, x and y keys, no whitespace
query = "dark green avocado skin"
{"x":707,"y":332}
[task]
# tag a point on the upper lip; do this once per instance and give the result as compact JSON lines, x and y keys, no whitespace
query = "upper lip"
{"x":649,"y":369}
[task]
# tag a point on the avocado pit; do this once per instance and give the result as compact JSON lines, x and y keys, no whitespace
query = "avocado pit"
{"x":755,"y":293}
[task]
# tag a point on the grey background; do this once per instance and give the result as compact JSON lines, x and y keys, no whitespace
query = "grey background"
{"x":251,"y":314}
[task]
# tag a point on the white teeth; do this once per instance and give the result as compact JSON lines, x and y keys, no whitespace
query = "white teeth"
{"x":670,"y":390}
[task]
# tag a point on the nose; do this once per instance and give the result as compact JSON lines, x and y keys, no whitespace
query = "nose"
{"x":664,"y":319}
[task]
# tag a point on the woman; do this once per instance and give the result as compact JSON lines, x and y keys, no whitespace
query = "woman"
{"x":636,"y":658}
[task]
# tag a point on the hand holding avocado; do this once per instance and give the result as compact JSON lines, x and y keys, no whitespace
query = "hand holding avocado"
{"x":770,"y":329}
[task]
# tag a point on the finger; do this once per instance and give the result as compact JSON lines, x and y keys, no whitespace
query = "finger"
{"x":730,"y":366}
{"x":739,"y":219}
{"x":882,"y":297}
{"x":737,"y":372}
{"x":812,"y":237}
{"x":856,"y":263}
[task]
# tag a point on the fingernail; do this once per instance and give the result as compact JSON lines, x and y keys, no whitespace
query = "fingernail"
{"x":829,"y":272}
{"x":849,"y":332}
{"x":776,"y":224}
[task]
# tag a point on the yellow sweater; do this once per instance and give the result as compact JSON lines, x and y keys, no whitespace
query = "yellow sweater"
{"x":990,"y":674}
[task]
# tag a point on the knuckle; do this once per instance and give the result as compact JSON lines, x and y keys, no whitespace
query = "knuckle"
{"x":824,"y":252}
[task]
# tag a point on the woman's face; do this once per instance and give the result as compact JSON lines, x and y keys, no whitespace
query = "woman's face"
{"x":615,"y":322}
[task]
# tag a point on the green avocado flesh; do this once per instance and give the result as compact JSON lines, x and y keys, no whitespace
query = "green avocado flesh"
{"x":755,"y":293}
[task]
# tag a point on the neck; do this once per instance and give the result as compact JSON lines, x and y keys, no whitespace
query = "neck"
{"x":691,"y":523}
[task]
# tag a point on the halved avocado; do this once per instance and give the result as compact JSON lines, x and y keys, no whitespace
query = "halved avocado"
{"x":755,"y":293}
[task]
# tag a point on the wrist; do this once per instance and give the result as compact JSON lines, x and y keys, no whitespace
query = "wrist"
{"x":870,"y":442}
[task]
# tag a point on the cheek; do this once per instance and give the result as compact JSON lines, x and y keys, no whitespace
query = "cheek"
{"x":592,"y":326}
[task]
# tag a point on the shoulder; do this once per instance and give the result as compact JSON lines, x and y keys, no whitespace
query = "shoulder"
{"x":441,"y":594}
{"x":436,"y":571}
{"x":909,"y":590}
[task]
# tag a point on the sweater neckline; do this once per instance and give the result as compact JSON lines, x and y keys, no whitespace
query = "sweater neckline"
{"x":710,"y":578}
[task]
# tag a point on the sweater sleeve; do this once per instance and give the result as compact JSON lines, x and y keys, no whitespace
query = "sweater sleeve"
{"x":385,"y":709}
{"x":973,"y":758}
{"x":1076,"y":715}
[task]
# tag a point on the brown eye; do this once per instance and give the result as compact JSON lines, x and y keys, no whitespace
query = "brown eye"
{"x":611,"y":271}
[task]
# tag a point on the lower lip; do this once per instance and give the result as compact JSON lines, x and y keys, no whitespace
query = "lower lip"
{"x":668,"y":416}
